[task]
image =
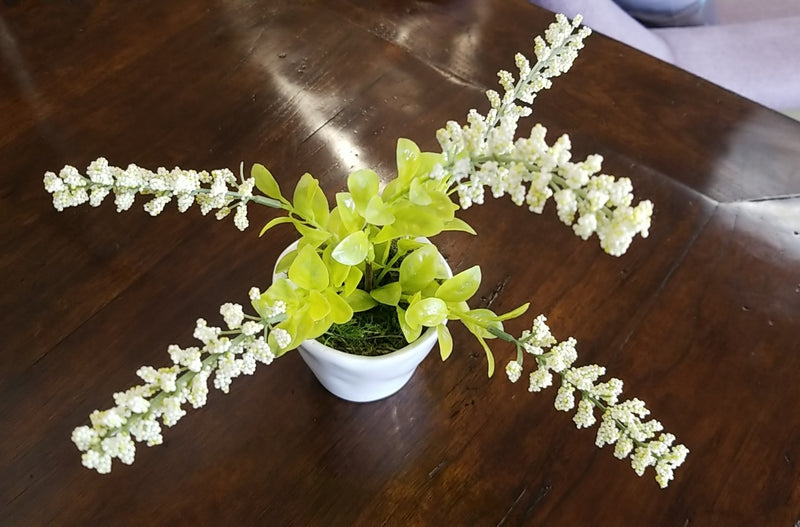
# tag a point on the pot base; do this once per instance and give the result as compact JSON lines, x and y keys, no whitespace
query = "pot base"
{"x":364,"y":379}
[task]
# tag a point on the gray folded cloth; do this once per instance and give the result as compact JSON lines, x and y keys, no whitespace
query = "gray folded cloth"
{"x":753,"y":50}
{"x":669,"y":13}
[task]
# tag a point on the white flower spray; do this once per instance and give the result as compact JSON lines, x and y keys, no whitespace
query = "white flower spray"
{"x":484,"y":153}
{"x":210,"y":190}
{"x":224,"y":354}
{"x":621,"y":423}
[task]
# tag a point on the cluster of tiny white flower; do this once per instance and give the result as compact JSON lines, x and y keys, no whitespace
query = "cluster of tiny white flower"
{"x":621,"y":423}
{"x":484,"y":153}
{"x":210,"y":190}
{"x":226,"y":354}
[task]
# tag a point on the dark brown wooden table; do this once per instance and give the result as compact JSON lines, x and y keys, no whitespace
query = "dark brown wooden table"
{"x":701,"y":320}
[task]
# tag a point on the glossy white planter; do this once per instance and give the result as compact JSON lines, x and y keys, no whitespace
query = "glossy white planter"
{"x":362,"y":379}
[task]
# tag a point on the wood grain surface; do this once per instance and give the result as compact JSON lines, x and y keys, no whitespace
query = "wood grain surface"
{"x":701,"y":319}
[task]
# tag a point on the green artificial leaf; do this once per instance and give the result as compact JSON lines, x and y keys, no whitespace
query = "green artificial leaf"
{"x":410,"y":331}
{"x":319,"y":206}
{"x":353,"y":249}
{"x":409,"y":244}
{"x":302,"y":322}
{"x":386,"y":234}
{"x":442,"y":203}
{"x":477,"y":323}
{"x":489,"y":356}
{"x":340,"y":309}
{"x":445,"y":341}
{"x":461,"y":287}
{"x":346,"y":205}
{"x":318,"y":305}
{"x":273,"y":222}
{"x":482,"y":319}
{"x":363,"y":185}
{"x":308,"y":270}
{"x":301,"y":326}
{"x":280,"y":289}
{"x":335,"y":225}
{"x":418,"y":193}
{"x":381,"y":252}
{"x":266,"y":183}
{"x":429,"y":290}
{"x":337,"y":272}
{"x":388,"y":294}
{"x":377,"y":212}
{"x":441,"y":271}
{"x":354,"y":276}
{"x":457,"y":224}
{"x":417,"y":220}
{"x":319,"y":327}
{"x":418,"y":268}
{"x":427,"y":312}
{"x":283,"y":264}
{"x":309,"y":201}
{"x":392,"y":190}
{"x":304,"y":196}
{"x":407,"y":154}
{"x":359,"y":300}
{"x":311,"y":235}
{"x":515,"y":313}
{"x":427,"y":160}
{"x":456,"y":309}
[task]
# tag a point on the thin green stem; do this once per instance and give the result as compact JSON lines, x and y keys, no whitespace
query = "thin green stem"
{"x":367,"y":276}
{"x":389,"y":266}
{"x":499,"y":333}
{"x":260,"y":200}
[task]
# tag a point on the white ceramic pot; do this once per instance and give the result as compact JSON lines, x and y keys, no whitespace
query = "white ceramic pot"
{"x":362,"y":379}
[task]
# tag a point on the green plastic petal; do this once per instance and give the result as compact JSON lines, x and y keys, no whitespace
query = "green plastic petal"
{"x":515,"y":313}
{"x":377,"y":212}
{"x":353,"y":279}
{"x":418,"y":268}
{"x":407,"y":154}
{"x":266,"y":183}
{"x":363,"y":185}
{"x":340,"y":309}
{"x":388,"y":294}
{"x":273,"y":222}
{"x":308,"y":270}
{"x":461,"y":287}
{"x":428,"y":312}
{"x":410,"y":331}
{"x":359,"y":300}
{"x":445,"y":341}
{"x":352,"y":250}
{"x":318,"y":305}
{"x":346,"y":205}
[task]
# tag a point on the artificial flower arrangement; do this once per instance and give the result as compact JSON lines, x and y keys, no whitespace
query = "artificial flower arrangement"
{"x":368,"y":254}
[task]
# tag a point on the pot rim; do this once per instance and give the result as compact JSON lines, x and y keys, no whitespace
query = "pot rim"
{"x":398,"y":354}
